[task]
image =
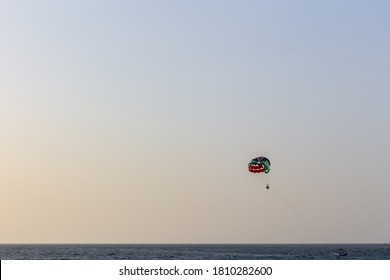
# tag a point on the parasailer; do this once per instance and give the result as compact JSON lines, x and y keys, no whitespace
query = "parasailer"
{"x":260,"y":165}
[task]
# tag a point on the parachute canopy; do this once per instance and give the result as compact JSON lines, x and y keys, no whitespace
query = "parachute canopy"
{"x":259,"y":164}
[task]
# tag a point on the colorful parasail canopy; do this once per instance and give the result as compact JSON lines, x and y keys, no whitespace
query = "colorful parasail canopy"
{"x":259,"y":164}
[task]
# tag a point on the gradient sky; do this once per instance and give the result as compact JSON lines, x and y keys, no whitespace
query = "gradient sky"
{"x":134,"y":121}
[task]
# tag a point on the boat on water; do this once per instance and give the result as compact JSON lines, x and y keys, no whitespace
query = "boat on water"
{"x":341,"y":252}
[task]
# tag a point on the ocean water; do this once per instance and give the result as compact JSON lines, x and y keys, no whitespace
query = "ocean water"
{"x":193,"y":252}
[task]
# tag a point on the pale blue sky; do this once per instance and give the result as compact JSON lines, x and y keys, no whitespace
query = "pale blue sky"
{"x":134,"y":121}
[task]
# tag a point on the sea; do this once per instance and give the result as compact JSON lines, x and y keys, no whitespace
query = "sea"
{"x":193,"y":251}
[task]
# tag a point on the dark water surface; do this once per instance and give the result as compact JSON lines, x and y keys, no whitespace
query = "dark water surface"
{"x":192,"y":252}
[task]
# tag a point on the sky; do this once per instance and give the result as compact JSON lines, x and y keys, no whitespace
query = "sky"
{"x":134,"y":121}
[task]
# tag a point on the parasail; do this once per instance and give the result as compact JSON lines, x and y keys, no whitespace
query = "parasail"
{"x":260,"y":165}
